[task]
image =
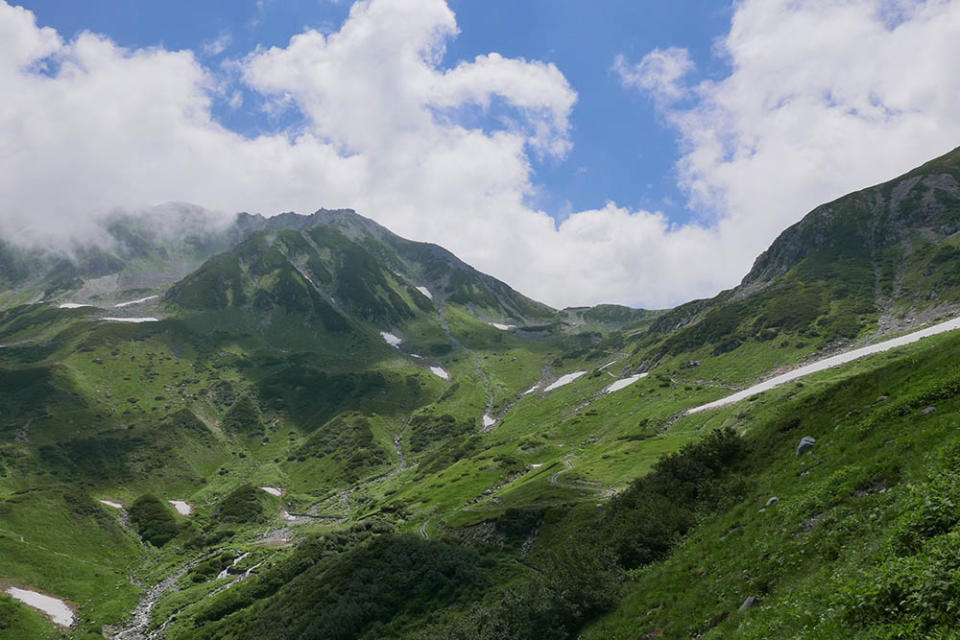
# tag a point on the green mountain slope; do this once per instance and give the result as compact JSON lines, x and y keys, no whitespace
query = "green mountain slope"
{"x":328,"y":431}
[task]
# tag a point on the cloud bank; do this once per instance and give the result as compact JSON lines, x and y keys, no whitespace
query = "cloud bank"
{"x":823,"y":97}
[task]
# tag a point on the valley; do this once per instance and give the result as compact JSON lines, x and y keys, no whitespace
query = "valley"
{"x":309,"y":427}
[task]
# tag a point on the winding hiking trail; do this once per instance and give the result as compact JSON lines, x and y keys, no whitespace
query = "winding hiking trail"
{"x":578,"y":485}
{"x":828,"y":363}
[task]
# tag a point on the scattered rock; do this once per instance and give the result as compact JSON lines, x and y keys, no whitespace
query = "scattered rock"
{"x":810,"y":523}
{"x":772,"y":501}
{"x":877,"y":486}
{"x":749,"y":603}
{"x":928,"y":411}
{"x":806,"y":443}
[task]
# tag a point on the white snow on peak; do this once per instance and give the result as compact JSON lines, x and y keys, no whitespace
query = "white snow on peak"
{"x":55,"y":608}
{"x":111,"y":504}
{"x":425,"y":292}
{"x":182,"y":507}
{"x":440,"y":373}
{"x":121,"y":305}
{"x":392,"y":340}
{"x":274,"y":491}
{"x":502,"y":327}
{"x":565,"y":380}
{"x":133,"y":320}
{"x":623,"y":383}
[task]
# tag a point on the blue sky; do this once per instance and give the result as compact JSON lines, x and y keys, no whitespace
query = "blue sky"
{"x":621,"y":149}
{"x":641,"y":153}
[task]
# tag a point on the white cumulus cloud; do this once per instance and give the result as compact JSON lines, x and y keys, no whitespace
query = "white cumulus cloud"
{"x":822,"y":97}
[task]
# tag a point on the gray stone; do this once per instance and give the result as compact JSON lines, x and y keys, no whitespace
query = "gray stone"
{"x":806,"y":443}
{"x":928,"y":411}
{"x":747,"y":604}
{"x":772,"y":501}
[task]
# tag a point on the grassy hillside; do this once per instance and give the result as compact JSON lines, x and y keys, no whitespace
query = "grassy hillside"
{"x":331,"y":432}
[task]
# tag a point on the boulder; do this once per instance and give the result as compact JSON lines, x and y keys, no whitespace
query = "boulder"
{"x":772,"y":501}
{"x":747,"y":604}
{"x":806,"y":443}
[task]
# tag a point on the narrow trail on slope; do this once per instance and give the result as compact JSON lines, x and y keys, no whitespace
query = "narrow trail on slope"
{"x":577,"y":485}
{"x":483,"y":374}
{"x":829,"y":363}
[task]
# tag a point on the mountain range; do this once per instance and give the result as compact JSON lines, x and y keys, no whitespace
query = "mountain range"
{"x":306,"y":426}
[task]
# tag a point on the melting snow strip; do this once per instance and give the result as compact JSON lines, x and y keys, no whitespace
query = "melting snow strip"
{"x":111,"y":504}
{"x":440,"y":373}
{"x":829,"y":363}
{"x":488,"y":420}
{"x":391,"y":339}
{"x":565,"y":380}
{"x":134,"y":320}
{"x":182,"y":507}
{"x":55,"y":608}
{"x":73,"y":305}
{"x":121,"y":305}
{"x":425,"y":292}
{"x":502,"y":327}
{"x":623,"y":383}
{"x":274,"y":491}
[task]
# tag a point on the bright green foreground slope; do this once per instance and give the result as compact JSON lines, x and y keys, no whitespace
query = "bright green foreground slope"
{"x":440,"y":487}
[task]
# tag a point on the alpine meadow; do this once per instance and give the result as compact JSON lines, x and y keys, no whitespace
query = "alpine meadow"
{"x":286,"y":426}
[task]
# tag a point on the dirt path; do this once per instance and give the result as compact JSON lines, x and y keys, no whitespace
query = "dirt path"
{"x":577,"y":485}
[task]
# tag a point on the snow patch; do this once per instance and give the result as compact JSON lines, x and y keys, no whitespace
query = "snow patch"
{"x":274,"y":491}
{"x":565,"y":380}
{"x":111,"y":504}
{"x":440,"y":373}
{"x":73,"y":305}
{"x":425,"y":292}
{"x":531,"y":389}
{"x":121,"y":305}
{"x":55,"y":608}
{"x":502,"y":327}
{"x":536,"y":465}
{"x":391,"y":339}
{"x":488,"y":420}
{"x":134,"y":320}
{"x":623,"y":383}
{"x":182,"y":507}
{"x":829,"y":363}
